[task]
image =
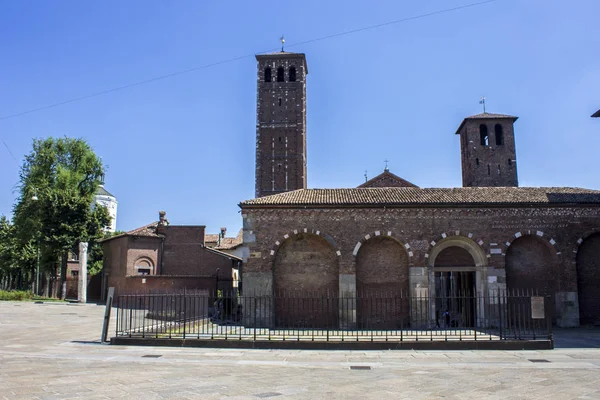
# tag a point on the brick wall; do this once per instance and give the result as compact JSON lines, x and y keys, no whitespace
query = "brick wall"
{"x":165,"y":284}
{"x":490,"y":230}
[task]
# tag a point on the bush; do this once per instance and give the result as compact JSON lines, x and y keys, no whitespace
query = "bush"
{"x":15,"y":295}
{"x":19,"y":295}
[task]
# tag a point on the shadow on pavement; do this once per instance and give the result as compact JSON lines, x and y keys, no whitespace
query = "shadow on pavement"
{"x":577,"y":338}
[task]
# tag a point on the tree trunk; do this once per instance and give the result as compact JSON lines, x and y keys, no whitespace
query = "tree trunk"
{"x":47,"y":285}
{"x":63,"y":276}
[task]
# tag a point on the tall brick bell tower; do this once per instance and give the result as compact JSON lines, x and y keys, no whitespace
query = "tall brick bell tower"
{"x":488,"y":153}
{"x":280,"y":123}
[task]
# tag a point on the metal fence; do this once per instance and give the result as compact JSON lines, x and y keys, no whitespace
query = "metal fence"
{"x":498,"y":315}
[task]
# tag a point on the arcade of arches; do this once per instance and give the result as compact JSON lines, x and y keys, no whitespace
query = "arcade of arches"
{"x":309,"y":264}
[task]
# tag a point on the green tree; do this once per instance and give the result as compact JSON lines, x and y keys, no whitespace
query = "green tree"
{"x":17,"y":260}
{"x":55,"y":208}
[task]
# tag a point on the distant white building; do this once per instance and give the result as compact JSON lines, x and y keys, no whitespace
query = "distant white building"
{"x":104,"y":198}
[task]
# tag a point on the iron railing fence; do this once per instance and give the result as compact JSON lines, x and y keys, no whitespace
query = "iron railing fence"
{"x":497,"y":315}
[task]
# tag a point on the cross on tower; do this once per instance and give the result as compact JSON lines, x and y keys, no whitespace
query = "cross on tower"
{"x":386,"y":165}
{"x":482,"y":101}
{"x":282,"y":42}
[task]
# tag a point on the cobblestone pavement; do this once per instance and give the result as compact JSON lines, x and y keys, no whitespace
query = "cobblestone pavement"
{"x":52,"y":351}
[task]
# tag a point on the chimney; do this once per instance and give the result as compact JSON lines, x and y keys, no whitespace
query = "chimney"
{"x":223,"y":232}
{"x":163,"y":222}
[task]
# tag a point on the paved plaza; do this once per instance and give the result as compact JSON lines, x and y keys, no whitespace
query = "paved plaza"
{"x":52,"y":351}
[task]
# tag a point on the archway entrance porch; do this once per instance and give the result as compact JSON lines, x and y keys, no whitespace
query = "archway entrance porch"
{"x":457,"y":284}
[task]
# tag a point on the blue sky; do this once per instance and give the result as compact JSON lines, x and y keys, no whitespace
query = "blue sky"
{"x":186,"y":144}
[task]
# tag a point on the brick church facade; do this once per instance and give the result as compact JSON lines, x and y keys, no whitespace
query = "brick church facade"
{"x":390,"y":236}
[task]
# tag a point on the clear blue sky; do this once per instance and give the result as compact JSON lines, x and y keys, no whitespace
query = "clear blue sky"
{"x":186,"y":144}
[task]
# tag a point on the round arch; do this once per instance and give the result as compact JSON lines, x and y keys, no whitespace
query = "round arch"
{"x":296,"y":232}
{"x":531,"y":263}
{"x":540,"y":234}
{"x":388,"y":234}
{"x":382,"y":281}
{"x":474,"y":249}
{"x":305,"y":280}
{"x":144,"y":266}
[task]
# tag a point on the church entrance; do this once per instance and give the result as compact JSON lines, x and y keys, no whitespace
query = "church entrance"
{"x":455,"y":298}
{"x":455,"y":288}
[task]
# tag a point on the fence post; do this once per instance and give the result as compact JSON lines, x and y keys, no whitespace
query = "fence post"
{"x":549,"y":316}
{"x":184,"y":312}
{"x":254,"y":309}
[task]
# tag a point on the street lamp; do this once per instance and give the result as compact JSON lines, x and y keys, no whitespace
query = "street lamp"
{"x":37,"y":269}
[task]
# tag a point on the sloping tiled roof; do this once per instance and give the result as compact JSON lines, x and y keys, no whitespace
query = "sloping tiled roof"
{"x":486,"y":116}
{"x":596,"y":114}
{"x":229,"y":243}
{"x":410,"y":196}
{"x":103,"y":192}
{"x":387,"y":179}
{"x":144,"y":231}
{"x":211,"y":238}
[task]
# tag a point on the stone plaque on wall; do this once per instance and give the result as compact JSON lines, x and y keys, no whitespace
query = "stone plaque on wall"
{"x":537,"y":307}
{"x":255,"y":254}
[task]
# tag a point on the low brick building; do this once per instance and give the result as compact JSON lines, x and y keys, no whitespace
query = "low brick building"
{"x":166,"y":257}
{"x":389,"y":236}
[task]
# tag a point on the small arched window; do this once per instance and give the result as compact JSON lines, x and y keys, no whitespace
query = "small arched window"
{"x":483,"y":135}
{"x":477,"y":161}
{"x":498,"y":169}
{"x":280,"y":73}
{"x":499,"y":135}
{"x":292,"y":74}
{"x":489,"y":170}
{"x":268,"y":74}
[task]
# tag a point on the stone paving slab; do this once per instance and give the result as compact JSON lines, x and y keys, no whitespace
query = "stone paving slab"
{"x":52,"y":351}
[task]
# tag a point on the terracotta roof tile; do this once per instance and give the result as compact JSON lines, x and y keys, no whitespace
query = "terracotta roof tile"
{"x":412,"y":196}
{"x":228,"y":243}
{"x":485,"y":116}
{"x":146,"y":230}
{"x":211,"y":238}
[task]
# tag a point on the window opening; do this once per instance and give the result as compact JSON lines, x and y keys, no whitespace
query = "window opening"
{"x":489,"y":170}
{"x":280,"y":77}
{"x":280,"y":101}
{"x":498,"y":169}
{"x":293,"y":74}
{"x":509,"y":162}
{"x":483,"y":135}
{"x":477,"y":161}
{"x":143,"y":271}
{"x":268,"y":74}
{"x":499,"y":135}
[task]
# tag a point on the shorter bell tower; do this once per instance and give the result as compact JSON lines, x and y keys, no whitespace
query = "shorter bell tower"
{"x":488,"y":153}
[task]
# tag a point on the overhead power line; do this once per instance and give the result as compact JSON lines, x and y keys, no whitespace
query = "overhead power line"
{"x":186,"y":71}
